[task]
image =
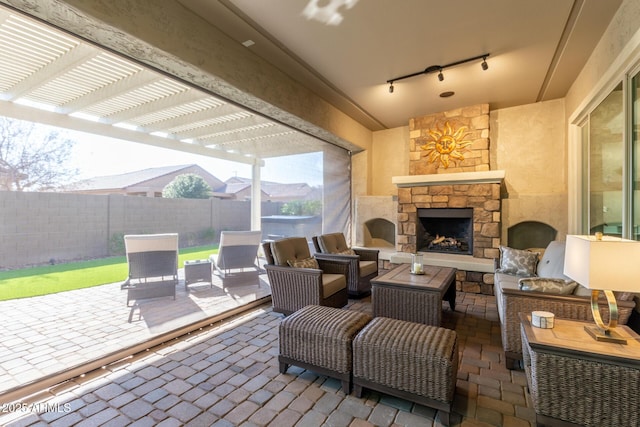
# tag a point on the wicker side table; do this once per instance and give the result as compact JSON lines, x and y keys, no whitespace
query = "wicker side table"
{"x":197,"y":271}
{"x":319,"y":339}
{"x":575,"y":380}
{"x":409,"y":360}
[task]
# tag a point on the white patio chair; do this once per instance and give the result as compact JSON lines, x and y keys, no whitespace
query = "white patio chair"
{"x":238,"y":250}
{"x":153,"y":266}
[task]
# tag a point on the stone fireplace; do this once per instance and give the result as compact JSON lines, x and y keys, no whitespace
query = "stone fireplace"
{"x":449,"y":207}
{"x":459,"y":193}
{"x":471,"y":197}
{"x":445,"y":230}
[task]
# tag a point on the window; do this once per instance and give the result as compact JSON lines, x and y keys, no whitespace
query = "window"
{"x":635,"y":144}
{"x":610,"y":154}
{"x":605,"y":159}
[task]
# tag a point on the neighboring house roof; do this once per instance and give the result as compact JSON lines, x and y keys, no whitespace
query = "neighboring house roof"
{"x":297,"y":190}
{"x":153,"y":180}
{"x":152,"y":177}
{"x":274,"y":190}
{"x":232,"y":188}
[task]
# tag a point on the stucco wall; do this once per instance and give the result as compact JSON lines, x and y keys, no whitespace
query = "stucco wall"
{"x":390,"y":149}
{"x":528,"y":142}
{"x":613,"y":51}
{"x":38,"y":227}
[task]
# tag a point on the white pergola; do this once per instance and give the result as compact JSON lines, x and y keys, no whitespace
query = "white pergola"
{"x":50,"y":77}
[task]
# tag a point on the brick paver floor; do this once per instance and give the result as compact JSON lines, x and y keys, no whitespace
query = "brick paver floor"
{"x":227,"y":375}
{"x":48,"y":334}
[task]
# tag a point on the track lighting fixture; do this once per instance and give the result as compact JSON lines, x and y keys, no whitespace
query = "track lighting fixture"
{"x":438,"y":68}
{"x":484,"y":64}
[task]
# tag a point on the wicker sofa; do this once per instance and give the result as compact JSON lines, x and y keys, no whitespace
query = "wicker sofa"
{"x":512,"y":300}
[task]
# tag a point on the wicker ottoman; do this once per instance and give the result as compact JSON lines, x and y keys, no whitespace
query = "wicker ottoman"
{"x":320,"y":339}
{"x":409,"y":360}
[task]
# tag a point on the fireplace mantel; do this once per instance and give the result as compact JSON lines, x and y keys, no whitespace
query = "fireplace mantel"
{"x":483,"y":177}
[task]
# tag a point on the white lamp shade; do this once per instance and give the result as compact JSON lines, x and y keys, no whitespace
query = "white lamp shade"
{"x":608,"y":264}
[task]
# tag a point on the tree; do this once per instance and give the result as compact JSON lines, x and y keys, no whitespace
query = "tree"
{"x":302,"y":207}
{"x":187,"y":186}
{"x":32,"y":157}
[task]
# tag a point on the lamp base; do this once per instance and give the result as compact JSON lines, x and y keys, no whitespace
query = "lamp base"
{"x":605,"y":335}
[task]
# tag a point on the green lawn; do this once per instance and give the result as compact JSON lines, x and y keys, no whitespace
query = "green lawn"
{"x":50,"y":279}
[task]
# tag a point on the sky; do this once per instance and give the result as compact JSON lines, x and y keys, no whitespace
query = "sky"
{"x":95,"y":155}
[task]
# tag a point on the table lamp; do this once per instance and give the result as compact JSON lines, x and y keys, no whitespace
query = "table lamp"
{"x":603,"y":263}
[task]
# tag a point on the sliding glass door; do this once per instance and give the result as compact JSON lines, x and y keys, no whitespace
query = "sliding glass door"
{"x":606,"y":160}
{"x":634,"y":88}
{"x":610,"y":137}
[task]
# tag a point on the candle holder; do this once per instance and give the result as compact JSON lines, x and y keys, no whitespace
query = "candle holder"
{"x":417,"y":264}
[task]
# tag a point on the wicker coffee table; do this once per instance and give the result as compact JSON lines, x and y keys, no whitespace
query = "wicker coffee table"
{"x":398,"y":294}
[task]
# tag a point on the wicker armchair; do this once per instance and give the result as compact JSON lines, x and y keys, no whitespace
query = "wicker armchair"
{"x":296,"y":282}
{"x":363,"y":263}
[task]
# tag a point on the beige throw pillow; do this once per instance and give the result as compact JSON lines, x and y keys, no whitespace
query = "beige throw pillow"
{"x":304,"y":263}
{"x":347,"y":252}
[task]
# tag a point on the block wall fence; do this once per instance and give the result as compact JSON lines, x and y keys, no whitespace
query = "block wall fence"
{"x":38,"y":227}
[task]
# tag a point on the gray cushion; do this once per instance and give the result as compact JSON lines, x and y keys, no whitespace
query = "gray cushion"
{"x":581,"y":291}
{"x":547,"y":285}
{"x":552,"y":263}
{"x":517,"y":261}
{"x":506,"y":281}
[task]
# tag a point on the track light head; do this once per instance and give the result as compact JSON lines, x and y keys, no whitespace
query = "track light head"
{"x":484,"y":64}
{"x":391,"y":87}
{"x":440,"y":75}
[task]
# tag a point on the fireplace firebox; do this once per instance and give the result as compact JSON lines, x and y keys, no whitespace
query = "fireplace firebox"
{"x":448,"y":230}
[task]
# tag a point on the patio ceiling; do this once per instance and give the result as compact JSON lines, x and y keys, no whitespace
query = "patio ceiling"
{"x":48,"y":76}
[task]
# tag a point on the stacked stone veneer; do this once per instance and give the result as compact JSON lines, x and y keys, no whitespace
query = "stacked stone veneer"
{"x":485,"y":201}
{"x":474,"y":119}
{"x":483,"y":198}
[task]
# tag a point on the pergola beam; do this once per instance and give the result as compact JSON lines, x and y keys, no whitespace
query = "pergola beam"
{"x":20,"y":112}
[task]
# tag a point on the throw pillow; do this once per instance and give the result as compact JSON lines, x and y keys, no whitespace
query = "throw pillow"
{"x":347,"y":252}
{"x":304,"y":263}
{"x":549,"y":286}
{"x":517,"y":261}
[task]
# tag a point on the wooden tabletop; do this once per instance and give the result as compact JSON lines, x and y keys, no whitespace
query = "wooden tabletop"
{"x":433,"y":279}
{"x":569,"y":337}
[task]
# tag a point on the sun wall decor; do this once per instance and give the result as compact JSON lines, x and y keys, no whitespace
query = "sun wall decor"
{"x":448,"y":144}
